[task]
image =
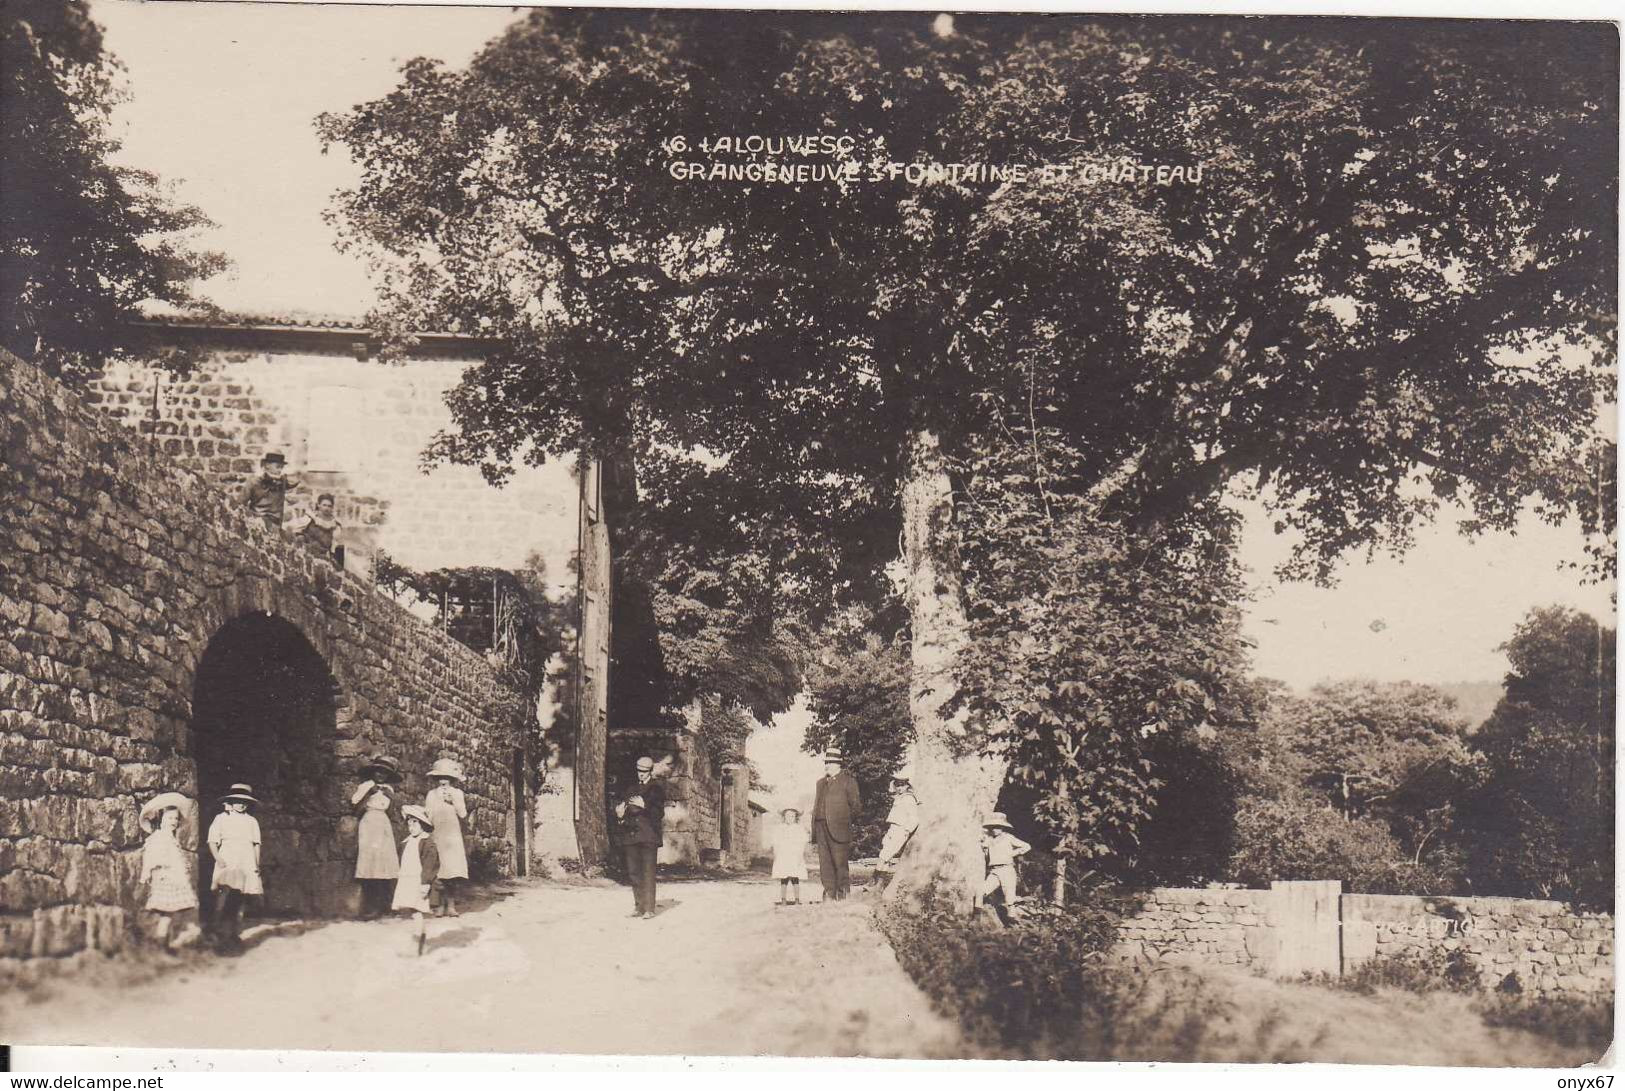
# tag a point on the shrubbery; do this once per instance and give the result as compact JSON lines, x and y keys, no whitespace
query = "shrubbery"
{"x":1043,"y":988}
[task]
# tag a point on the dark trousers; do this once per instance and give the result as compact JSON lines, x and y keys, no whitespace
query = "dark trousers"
{"x":832,"y":856}
{"x":640,"y":869}
{"x":228,"y":915}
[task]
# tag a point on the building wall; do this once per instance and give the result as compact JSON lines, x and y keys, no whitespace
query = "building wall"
{"x":355,"y":428}
{"x":118,"y":571}
{"x":1294,"y":928}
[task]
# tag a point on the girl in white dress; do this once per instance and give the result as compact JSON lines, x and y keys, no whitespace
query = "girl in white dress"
{"x":789,"y":856}
{"x":234,"y":842}
{"x":165,"y":868}
{"x":419,"y":870}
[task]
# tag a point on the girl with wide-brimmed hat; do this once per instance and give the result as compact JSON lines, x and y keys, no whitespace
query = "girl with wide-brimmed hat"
{"x":419,"y":870}
{"x":789,"y":855}
{"x":165,"y":869}
{"x":234,"y":842}
{"x":377,"y":860}
{"x":447,"y":807}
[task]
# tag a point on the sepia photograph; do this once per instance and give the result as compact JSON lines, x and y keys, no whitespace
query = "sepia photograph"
{"x":721,"y":533}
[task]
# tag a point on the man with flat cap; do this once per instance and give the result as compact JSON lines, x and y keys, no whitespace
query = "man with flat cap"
{"x":835,"y":805}
{"x":642,"y":813}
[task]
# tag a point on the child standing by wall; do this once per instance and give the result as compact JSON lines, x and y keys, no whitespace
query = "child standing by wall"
{"x":789,"y":856}
{"x":446,"y":808}
{"x":1002,"y":847}
{"x":164,"y":866}
{"x":419,"y":870}
{"x":234,"y":841}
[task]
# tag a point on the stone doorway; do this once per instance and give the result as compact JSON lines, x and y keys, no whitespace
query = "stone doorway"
{"x":264,"y":711}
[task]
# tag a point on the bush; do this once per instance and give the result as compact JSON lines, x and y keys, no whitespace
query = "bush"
{"x":1042,"y":988}
{"x":1570,"y":1021}
{"x":1437,"y":971}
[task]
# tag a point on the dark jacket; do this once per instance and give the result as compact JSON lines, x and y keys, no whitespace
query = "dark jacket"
{"x":643,"y":825}
{"x":837,"y":804}
{"x":429,"y":860}
{"x":267,"y":498}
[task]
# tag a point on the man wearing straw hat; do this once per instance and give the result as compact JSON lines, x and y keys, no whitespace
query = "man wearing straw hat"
{"x":835,"y":804}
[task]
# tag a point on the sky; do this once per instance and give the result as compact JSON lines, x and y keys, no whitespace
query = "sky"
{"x":223,"y":98}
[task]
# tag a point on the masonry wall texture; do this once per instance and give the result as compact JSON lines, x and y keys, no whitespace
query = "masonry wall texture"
{"x":1552,"y":948}
{"x":355,"y":428}
{"x":120,"y":574}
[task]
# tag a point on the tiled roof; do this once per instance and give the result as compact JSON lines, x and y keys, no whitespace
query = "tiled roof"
{"x":285,"y":319}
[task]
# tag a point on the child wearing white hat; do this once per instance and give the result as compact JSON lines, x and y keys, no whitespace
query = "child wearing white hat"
{"x":1002,"y":847}
{"x":446,"y":807}
{"x":419,"y":870}
{"x":789,"y":856}
{"x":234,"y":842}
{"x":164,"y":867}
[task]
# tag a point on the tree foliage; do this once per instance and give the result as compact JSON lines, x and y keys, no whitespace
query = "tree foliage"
{"x":83,"y":239}
{"x":1391,"y":290}
{"x":858,"y":695}
{"x":1089,"y":644}
{"x":1542,"y":823}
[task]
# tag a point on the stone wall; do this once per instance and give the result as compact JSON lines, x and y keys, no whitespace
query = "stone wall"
{"x":353,"y":427}
{"x":693,"y":785}
{"x":1297,"y":928}
{"x":1183,"y":927}
{"x":121,"y":575}
{"x":1551,"y":948}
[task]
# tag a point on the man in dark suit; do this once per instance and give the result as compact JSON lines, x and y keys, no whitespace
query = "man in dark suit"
{"x":834,"y":806}
{"x":642,"y":814}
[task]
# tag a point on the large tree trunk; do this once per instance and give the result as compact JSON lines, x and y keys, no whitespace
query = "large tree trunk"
{"x":956,"y":788}
{"x":594,"y":590}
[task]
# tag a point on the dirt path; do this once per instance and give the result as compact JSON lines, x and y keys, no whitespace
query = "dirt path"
{"x":550,"y":969}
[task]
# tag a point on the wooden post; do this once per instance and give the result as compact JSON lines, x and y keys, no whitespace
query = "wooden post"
{"x":1060,"y":879}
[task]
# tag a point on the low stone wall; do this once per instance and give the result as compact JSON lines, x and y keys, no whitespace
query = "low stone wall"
{"x":1311,"y":927}
{"x":1550,"y":948}
{"x":1183,"y":927}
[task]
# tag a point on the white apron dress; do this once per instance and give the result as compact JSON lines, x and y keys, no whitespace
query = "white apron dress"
{"x":234,"y":839}
{"x":375,"y":837}
{"x":409,"y":886}
{"x":448,"y":831}
{"x":789,"y":852}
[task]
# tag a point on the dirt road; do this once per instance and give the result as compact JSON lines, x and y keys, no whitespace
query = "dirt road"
{"x":549,"y":968}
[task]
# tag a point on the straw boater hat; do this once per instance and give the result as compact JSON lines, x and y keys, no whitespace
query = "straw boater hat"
{"x":997,"y":821}
{"x":904,"y":775}
{"x":240,"y":793}
{"x":834,"y":754}
{"x":153,"y":810}
{"x":446,"y":767}
{"x":274,"y":456}
{"x":381,"y":764}
{"x":646,"y":764}
{"x":789,"y":810}
{"x":412,"y":810}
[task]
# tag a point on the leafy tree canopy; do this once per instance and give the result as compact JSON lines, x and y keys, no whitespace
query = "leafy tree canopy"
{"x":1391,"y":289}
{"x":83,"y":241}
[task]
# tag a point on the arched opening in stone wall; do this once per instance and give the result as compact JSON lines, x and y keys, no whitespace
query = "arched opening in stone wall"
{"x":264,"y":712}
